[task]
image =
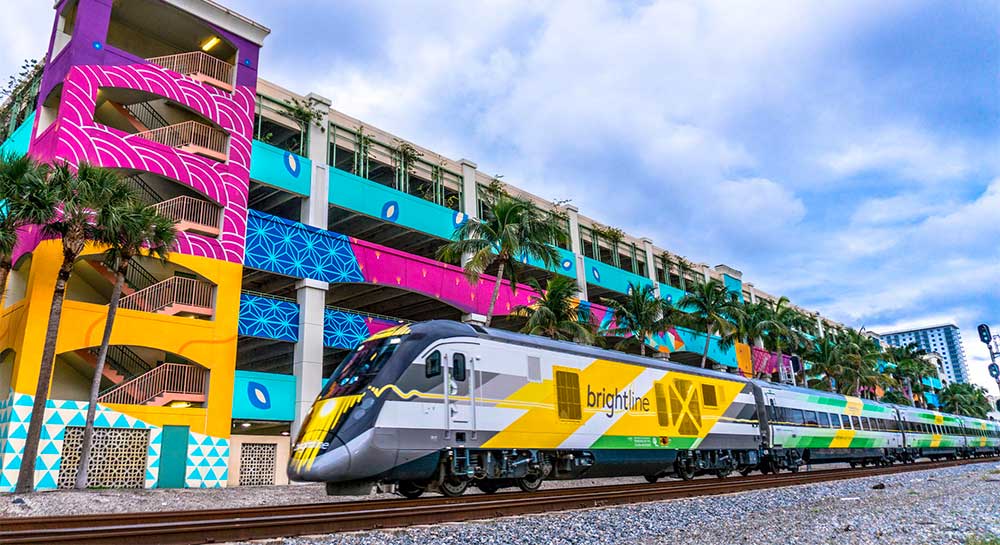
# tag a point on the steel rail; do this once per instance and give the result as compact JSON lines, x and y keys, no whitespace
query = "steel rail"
{"x":219,"y":525}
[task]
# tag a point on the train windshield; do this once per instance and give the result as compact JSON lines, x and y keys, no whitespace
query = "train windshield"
{"x":360,"y":367}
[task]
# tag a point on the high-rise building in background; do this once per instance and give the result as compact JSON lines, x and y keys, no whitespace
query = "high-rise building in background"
{"x":945,"y":340}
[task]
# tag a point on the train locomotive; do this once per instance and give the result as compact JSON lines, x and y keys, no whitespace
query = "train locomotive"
{"x":440,"y":406}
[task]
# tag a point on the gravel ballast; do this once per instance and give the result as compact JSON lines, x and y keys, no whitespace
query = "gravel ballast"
{"x":938,"y":507}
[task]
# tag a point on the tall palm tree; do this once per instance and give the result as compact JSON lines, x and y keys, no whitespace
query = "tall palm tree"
{"x":713,"y":309}
{"x":639,"y":316}
{"x":859,"y":357}
{"x":826,"y":365}
{"x":513,"y":230}
{"x":787,"y":335}
{"x":965,"y":399}
{"x":555,"y":313}
{"x":141,"y":229}
{"x":27,"y":200}
{"x":90,"y":199}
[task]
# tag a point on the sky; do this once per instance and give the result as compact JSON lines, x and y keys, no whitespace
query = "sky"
{"x":845,"y":154}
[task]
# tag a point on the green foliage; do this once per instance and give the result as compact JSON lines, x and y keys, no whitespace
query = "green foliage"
{"x":640,"y":315}
{"x":964,"y":399}
{"x":304,"y":113}
{"x":515,"y":230}
{"x":555,"y":312}
{"x":713,"y":309}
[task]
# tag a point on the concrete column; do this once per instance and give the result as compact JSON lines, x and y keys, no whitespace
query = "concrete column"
{"x":704,"y":272}
{"x":753,"y":292}
{"x":307,"y":364}
{"x":316,"y":207}
{"x":469,"y":192}
{"x":576,"y":246}
{"x":819,"y":325}
{"x":647,"y":245}
{"x":470,"y":205}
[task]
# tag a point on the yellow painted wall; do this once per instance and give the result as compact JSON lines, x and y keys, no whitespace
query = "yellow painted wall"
{"x":212,"y":344}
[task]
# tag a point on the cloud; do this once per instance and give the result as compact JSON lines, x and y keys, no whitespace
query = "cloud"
{"x":844,"y":156}
{"x":908,"y":153}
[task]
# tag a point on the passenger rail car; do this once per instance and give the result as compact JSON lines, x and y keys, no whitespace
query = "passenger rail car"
{"x":443,"y":405}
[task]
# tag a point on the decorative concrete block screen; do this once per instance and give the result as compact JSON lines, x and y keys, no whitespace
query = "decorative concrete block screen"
{"x":257,"y":461}
{"x":118,"y":459}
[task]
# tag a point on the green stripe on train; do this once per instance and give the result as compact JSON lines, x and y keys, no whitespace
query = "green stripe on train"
{"x":644,"y":442}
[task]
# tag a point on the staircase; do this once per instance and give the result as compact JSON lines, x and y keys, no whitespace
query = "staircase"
{"x":122,"y":364}
{"x":146,"y":114}
{"x":191,"y":137}
{"x":174,"y":296}
{"x":148,"y":194}
{"x":161,"y":385}
{"x":192,"y":215}
{"x":199,"y":66}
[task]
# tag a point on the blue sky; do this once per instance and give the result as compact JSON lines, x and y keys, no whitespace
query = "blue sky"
{"x":846,"y":154}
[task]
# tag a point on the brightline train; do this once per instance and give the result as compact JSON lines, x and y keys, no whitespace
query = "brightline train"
{"x":440,"y":406}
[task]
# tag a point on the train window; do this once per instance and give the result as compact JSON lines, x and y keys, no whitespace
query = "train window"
{"x":856,"y":422}
{"x":811,"y":418}
{"x":458,"y":367}
{"x":708,"y":395}
{"x":796,"y":416}
{"x":662,"y":413}
{"x":432,"y":365}
{"x":359,"y":368}
{"x":568,"y":395}
{"x":824,"y":420}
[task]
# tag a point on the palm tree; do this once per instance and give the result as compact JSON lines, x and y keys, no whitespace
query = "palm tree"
{"x":826,"y":365}
{"x":555,"y":312}
{"x":965,"y":399}
{"x":513,"y":230}
{"x":713,"y":309}
{"x":141,"y":229}
{"x":90,"y":200}
{"x":27,"y":200}
{"x":859,"y":358}
{"x":786,"y":335}
{"x":639,"y":316}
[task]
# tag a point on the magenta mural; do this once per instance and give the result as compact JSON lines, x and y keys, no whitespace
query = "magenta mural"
{"x":74,"y":136}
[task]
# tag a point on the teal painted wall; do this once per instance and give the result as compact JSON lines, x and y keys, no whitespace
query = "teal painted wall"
{"x":280,"y":168}
{"x":734,"y":285}
{"x":566,"y":264}
{"x":695,"y":342}
{"x":264,"y":396}
{"x":610,"y":277}
{"x":376,"y":200}
{"x":674,"y":295}
{"x":17,"y":142}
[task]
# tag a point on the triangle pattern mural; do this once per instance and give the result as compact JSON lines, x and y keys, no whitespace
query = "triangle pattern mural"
{"x":15,"y":413}
{"x":207,"y":461}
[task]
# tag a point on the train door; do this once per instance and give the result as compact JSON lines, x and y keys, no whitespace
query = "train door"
{"x":459,"y":388}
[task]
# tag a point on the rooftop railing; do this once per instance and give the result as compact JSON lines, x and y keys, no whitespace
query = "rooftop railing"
{"x":199,"y":66}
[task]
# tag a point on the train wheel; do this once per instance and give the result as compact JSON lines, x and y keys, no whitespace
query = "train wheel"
{"x":723,"y":473}
{"x":531,"y":483}
{"x":684,"y":471}
{"x":453,"y":487}
{"x":409,"y":489}
{"x":746,"y":470}
{"x":488,"y":487}
{"x":651,"y":478}
{"x":793,"y":469}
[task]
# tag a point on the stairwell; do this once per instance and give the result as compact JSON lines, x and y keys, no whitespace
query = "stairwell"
{"x":161,"y":385}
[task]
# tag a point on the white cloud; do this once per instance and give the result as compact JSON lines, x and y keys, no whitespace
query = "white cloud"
{"x":908,"y":152}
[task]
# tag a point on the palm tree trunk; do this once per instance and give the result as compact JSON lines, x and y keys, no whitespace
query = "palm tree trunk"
{"x":5,"y":267}
{"x":95,"y":385}
{"x":708,"y":339}
{"x":496,"y":293}
{"x":642,"y":343}
{"x":26,"y":477}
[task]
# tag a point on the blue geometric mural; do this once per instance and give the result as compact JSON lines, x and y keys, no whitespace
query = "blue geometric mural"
{"x":268,"y":318}
{"x":293,"y":249}
{"x":343,"y":329}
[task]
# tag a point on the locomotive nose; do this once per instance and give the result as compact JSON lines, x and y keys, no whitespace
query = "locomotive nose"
{"x":332,"y":465}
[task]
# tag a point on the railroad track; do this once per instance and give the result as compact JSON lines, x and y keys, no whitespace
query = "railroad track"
{"x":220,"y":525}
